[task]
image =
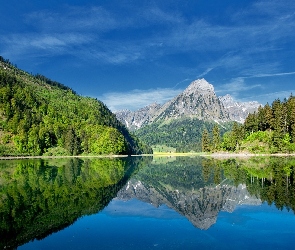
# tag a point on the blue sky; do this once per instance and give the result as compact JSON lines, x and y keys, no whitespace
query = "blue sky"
{"x":132,"y":53}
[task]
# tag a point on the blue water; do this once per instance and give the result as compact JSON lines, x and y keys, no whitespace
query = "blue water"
{"x":134,"y":224}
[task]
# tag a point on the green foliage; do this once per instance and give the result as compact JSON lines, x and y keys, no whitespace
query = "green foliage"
{"x":216,"y":138}
{"x":37,"y":114}
{"x":206,"y":143}
{"x":269,"y":130}
{"x":163,"y":149}
{"x":183,"y":134}
{"x":261,"y":136}
{"x":39,"y":197}
{"x":228,"y":141}
{"x":56,"y":151}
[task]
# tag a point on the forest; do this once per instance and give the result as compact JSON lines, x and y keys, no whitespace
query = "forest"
{"x":39,"y":116}
{"x":269,"y":130}
{"x":182,"y":134}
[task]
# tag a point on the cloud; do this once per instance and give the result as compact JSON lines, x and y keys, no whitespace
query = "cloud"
{"x":236,"y":86}
{"x":42,"y":44}
{"x":204,"y":73}
{"x":185,"y":80}
{"x":264,"y":98}
{"x":151,"y":33}
{"x":137,"y":99}
{"x":74,"y":19}
{"x":271,"y":75}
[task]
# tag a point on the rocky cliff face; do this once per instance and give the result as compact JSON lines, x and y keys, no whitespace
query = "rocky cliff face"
{"x":200,"y":207}
{"x":238,"y":111}
{"x":198,"y":100}
{"x":139,"y":118}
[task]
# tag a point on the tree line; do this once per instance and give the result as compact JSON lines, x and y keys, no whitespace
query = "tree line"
{"x":269,"y":130}
{"x":182,"y":134}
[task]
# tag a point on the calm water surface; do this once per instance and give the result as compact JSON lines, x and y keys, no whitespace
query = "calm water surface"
{"x":146,"y":203}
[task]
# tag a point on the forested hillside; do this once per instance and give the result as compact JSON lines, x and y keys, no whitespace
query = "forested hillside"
{"x":183,"y":134}
{"x":269,"y":130}
{"x":40,"y":116}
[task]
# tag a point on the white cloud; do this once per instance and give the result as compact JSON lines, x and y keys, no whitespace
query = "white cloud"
{"x":243,"y":91}
{"x":236,"y":86}
{"x":245,"y":42}
{"x":137,"y":99}
{"x":185,"y":80}
{"x":43,"y":43}
{"x":271,"y":75}
{"x":204,"y":73}
{"x":269,"y":97}
{"x":74,"y":19}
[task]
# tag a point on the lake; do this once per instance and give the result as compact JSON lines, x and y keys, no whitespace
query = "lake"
{"x":147,"y":203}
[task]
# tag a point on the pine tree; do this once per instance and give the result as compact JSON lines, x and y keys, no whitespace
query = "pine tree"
{"x":268,"y":117}
{"x":238,"y":134}
{"x":71,"y":141}
{"x":291,"y":117}
{"x":206,"y":147}
{"x":251,"y":123}
{"x":216,"y":138}
{"x":278,"y":124}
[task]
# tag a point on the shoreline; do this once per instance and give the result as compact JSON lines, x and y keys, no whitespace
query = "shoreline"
{"x":246,"y":155}
{"x":220,"y":155}
{"x":60,"y":157}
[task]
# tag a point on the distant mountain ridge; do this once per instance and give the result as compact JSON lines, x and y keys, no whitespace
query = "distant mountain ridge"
{"x":135,"y":120}
{"x":198,"y":100}
{"x":238,"y":111}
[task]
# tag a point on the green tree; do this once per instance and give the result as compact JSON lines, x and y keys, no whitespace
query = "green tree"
{"x":251,"y":123}
{"x":206,"y":143}
{"x":71,"y":141}
{"x":278,"y":125}
{"x":291,"y":117}
{"x":228,"y":141}
{"x":216,"y":138}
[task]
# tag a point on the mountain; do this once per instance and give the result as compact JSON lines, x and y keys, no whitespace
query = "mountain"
{"x":180,"y":122}
{"x":238,"y":111}
{"x":139,"y":118}
{"x":200,"y":207}
{"x":39,"y":116}
{"x":196,"y":188}
{"x":197,"y":101}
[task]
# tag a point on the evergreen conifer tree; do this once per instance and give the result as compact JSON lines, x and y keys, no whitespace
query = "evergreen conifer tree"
{"x":206,"y":147}
{"x":216,"y":138}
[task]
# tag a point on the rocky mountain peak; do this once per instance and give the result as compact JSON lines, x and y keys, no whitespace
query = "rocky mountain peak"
{"x":227,"y":100}
{"x":139,"y":118}
{"x":198,"y":100}
{"x":199,"y":86}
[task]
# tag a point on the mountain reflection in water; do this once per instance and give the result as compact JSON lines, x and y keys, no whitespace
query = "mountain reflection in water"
{"x":39,"y":197}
